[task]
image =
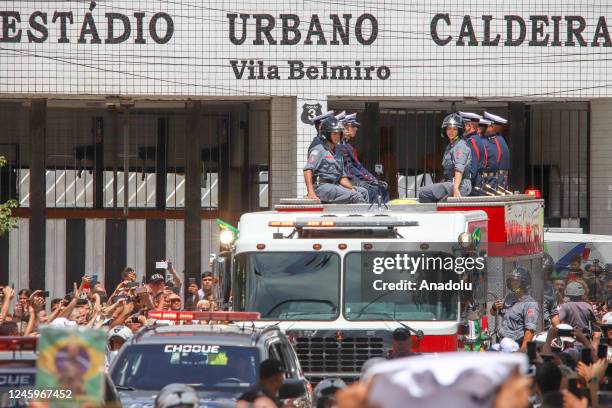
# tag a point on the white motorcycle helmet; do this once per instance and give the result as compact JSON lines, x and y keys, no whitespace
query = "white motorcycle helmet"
{"x":121,"y":331}
{"x":177,"y":396}
{"x":563,"y":342}
{"x":606,"y":324}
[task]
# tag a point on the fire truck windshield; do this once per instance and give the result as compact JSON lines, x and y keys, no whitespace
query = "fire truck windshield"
{"x":393,"y":294}
{"x":288,"y":285}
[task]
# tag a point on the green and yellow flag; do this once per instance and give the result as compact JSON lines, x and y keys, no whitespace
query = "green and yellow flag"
{"x":71,"y":360}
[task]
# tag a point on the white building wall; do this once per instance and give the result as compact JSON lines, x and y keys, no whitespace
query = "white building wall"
{"x":601,"y":168}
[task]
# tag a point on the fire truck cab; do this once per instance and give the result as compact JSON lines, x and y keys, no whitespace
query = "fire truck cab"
{"x":338,"y":279}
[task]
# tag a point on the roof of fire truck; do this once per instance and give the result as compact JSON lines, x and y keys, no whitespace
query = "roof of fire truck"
{"x":413,"y":221}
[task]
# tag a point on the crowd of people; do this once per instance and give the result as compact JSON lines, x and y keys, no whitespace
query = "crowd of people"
{"x":550,"y":379}
{"x":567,"y":364}
{"x":121,"y":313}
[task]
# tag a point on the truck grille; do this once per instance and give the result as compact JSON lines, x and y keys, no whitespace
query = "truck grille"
{"x":328,"y":355}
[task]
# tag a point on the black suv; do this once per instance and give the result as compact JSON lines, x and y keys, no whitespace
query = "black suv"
{"x":219,"y":361}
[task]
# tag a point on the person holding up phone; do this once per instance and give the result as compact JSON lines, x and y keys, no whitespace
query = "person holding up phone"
{"x":8,"y":294}
{"x":128,"y":275}
{"x":192,"y":297}
{"x":206,"y":292}
{"x":593,"y":374}
{"x":167,"y":265}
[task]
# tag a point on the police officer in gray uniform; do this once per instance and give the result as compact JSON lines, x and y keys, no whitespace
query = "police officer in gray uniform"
{"x":456,"y":164}
{"x":324,"y":171}
{"x":519,"y":311}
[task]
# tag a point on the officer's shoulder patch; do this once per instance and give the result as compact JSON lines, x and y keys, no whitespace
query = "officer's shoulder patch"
{"x":530,"y":311}
{"x":314,"y":152}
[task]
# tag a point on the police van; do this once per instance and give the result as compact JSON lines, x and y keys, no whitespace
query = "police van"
{"x":338,"y":279}
{"x":219,"y":360}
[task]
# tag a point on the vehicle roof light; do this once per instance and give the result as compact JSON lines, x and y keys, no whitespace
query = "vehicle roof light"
{"x":355,"y":222}
{"x":281,"y":224}
{"x":18,"y":343}
{"x":320,"y":223}
{"x":534,"y":192}
{"x":217,"y":315}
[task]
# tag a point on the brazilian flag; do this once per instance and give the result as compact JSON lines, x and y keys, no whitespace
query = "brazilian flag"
{"x":476,"y":237}
{"x":71,"y":359}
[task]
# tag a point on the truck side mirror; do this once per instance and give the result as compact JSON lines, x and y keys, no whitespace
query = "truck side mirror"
{"x":292,"y":388}
{"x":222,"y":273}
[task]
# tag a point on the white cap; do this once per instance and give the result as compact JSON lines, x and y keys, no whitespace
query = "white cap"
{"x":341,"y":115}
{"x":495,"y":119}
{"x":62,"y":322}
{"x":485,"y":122}
{"x":470,"y":116}
{"x":352,"y":116}
{"x":322,"y":116}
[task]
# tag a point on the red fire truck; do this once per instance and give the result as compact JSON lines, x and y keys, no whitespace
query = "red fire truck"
{"x":340,"y":278}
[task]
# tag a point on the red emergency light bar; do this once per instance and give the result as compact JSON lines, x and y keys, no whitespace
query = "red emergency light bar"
{"x":218,"y":315}
{"x":533,"y":192}
{"x":309,"y":223}
{"x":346,"y":222}
{"x":15,"y":343}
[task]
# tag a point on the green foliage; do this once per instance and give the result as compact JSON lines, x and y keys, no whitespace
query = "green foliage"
{"x":7,"y":221}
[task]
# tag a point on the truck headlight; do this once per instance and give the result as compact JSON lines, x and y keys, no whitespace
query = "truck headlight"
{"x":465,"y":239}
{"x":226,"y":237}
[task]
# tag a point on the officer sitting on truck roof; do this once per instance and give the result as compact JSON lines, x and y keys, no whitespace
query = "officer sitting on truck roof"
{"x":324,"y":171}
{"x":355,"y":171}
{"x":498,"y":150}
{"x":475,"y":143}
{"x":456,"y":164}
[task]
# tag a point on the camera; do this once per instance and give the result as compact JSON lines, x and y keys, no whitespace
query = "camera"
{"x":565,"y":332}
{"x":161,"y":265}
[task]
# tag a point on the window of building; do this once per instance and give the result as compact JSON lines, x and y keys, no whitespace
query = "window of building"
{"x":14,"y":147}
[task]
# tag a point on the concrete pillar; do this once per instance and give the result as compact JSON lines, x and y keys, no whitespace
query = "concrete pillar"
{"x":283,"y":149}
